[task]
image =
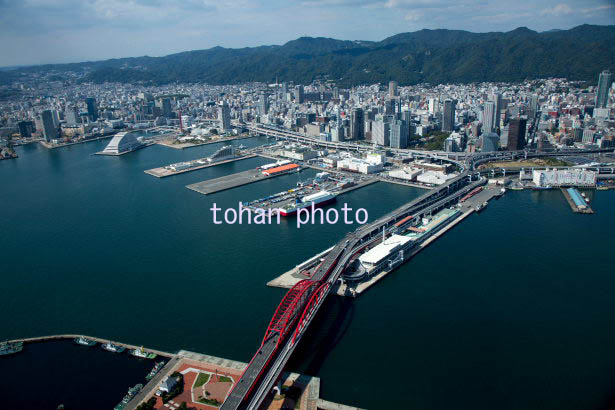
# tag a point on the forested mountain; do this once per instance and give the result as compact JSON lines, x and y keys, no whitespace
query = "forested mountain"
{"x":435,"y":56}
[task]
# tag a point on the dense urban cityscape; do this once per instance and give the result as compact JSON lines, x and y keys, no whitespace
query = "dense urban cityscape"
{"x":97,"y":170}
{"x":486,"y":117}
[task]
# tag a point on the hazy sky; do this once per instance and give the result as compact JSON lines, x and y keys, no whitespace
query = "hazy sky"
{"x":49,"y":31}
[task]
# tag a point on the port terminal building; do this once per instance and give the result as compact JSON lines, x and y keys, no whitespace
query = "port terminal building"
{"x":124,"y":142}
{"x":564,"y":177}
{"x":397,"y":248}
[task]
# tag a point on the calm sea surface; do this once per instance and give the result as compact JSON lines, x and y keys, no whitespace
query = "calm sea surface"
{"x":512,"y":309}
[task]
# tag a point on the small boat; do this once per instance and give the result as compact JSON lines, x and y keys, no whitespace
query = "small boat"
{"x":541,"y":188}
{"x":111,"y":347}
{"x":132,"y":392}
{"x":516,"y":188}
{"x":480,"y":207}
{"x":154,"y":371}
{"x":602,"y":188}
{"x":84,"y":341}
{"x":7,"y":348}
{"x":142,"y":353}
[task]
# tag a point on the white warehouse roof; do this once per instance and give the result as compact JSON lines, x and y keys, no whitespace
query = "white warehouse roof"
{"x":383,"y":250}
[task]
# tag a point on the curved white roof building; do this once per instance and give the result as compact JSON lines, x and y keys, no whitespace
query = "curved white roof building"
{"x":123,"y":142}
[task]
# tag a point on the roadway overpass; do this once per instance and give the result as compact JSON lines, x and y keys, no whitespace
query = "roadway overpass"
{"x":302,"y":302}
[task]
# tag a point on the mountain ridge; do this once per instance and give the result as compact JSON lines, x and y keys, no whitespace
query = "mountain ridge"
{"x":435,"y":56}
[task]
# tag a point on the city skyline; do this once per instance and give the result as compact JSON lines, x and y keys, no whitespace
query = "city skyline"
{"x":41,"y":31}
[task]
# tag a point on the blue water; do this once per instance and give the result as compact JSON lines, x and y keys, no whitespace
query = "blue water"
{"x":45,"y":375}
{"x":512,"y":309}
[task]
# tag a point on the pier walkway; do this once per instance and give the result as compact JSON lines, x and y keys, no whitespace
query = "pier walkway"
{"x":39,"y":339}
{"x":212,"y":186}
{"x":165,"y":171}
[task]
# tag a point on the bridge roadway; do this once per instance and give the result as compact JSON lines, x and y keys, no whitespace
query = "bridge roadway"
{"x":332,"y":268}
{"x":268,"y":362}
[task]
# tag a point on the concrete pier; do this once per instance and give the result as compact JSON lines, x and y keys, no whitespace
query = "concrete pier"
{"x":290,"y":278}
{"x":250,"y":176}
{"x":575,"y":208}
{"x":40,"y":339}
{"x":310,"y":386}
{"x":163,"y":172}
{"x":66,"y":144}
{"x":184,"y":145}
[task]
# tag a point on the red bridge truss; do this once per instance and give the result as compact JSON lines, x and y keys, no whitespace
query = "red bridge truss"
{"x":289,"y":309}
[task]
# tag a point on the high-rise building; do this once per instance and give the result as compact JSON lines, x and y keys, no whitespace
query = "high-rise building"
{"x":392,"y":89}
{"x":433,"y":105}
{"x":263,"y":104}
{"x":50,"y":132}
{"x":72,"y":116}
{"x":92,"y":109}
{"x":381,"y":132}
{"x":497,"y":99}
{"x":165,"y":107}
{"x":399,"y":134}
{"x":357,"y":124}
{"x":516,"y":134}
{"x":224,"y":117}
{"x":491,"y":140}
{"x":533,"y":105}
{"x":602,"y":94}
{"x":488,"y":117}
{"x":448,"y":115}
{"x":25,"y":129}
{"x":299,"y":94}
{"x":389,"y":106}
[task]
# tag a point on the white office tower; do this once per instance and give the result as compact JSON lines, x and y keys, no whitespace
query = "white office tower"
{"x":433,"y":106}
{"x":488,"y":117}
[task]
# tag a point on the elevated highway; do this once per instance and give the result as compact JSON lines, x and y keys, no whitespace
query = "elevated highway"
{"x":302,"y":302}
{"x":300,"y":305}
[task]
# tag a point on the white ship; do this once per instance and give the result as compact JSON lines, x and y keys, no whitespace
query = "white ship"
{"x":318,"y":199}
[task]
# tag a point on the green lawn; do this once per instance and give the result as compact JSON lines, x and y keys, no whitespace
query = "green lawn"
{"x":224,"y":379}
{"x":201,"y":380}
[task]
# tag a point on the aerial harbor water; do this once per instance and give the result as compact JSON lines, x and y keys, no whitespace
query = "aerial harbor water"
{"x":50,"y":374}
{"x":508,"y":310}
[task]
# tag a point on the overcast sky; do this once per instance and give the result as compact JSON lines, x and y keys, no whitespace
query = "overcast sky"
{"x":53,"y":31}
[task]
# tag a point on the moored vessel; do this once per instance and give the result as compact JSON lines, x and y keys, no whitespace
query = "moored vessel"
{"x":84,"y":341}
{"x":480,"y":207}
{"x":154,"y":371}
{"x":319,"y":199}
{"x":139,"y":352}
{"x":111,"y":347}
{"x":132,"y":392}
{"x":7,"y":348}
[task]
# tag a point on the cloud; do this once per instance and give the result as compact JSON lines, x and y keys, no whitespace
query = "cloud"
{"x":417,"y":4}
{"x":593,"y":10}
{"x":413,"y":16}
{"x":560,"y":9}
{"x":43,"y":31}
